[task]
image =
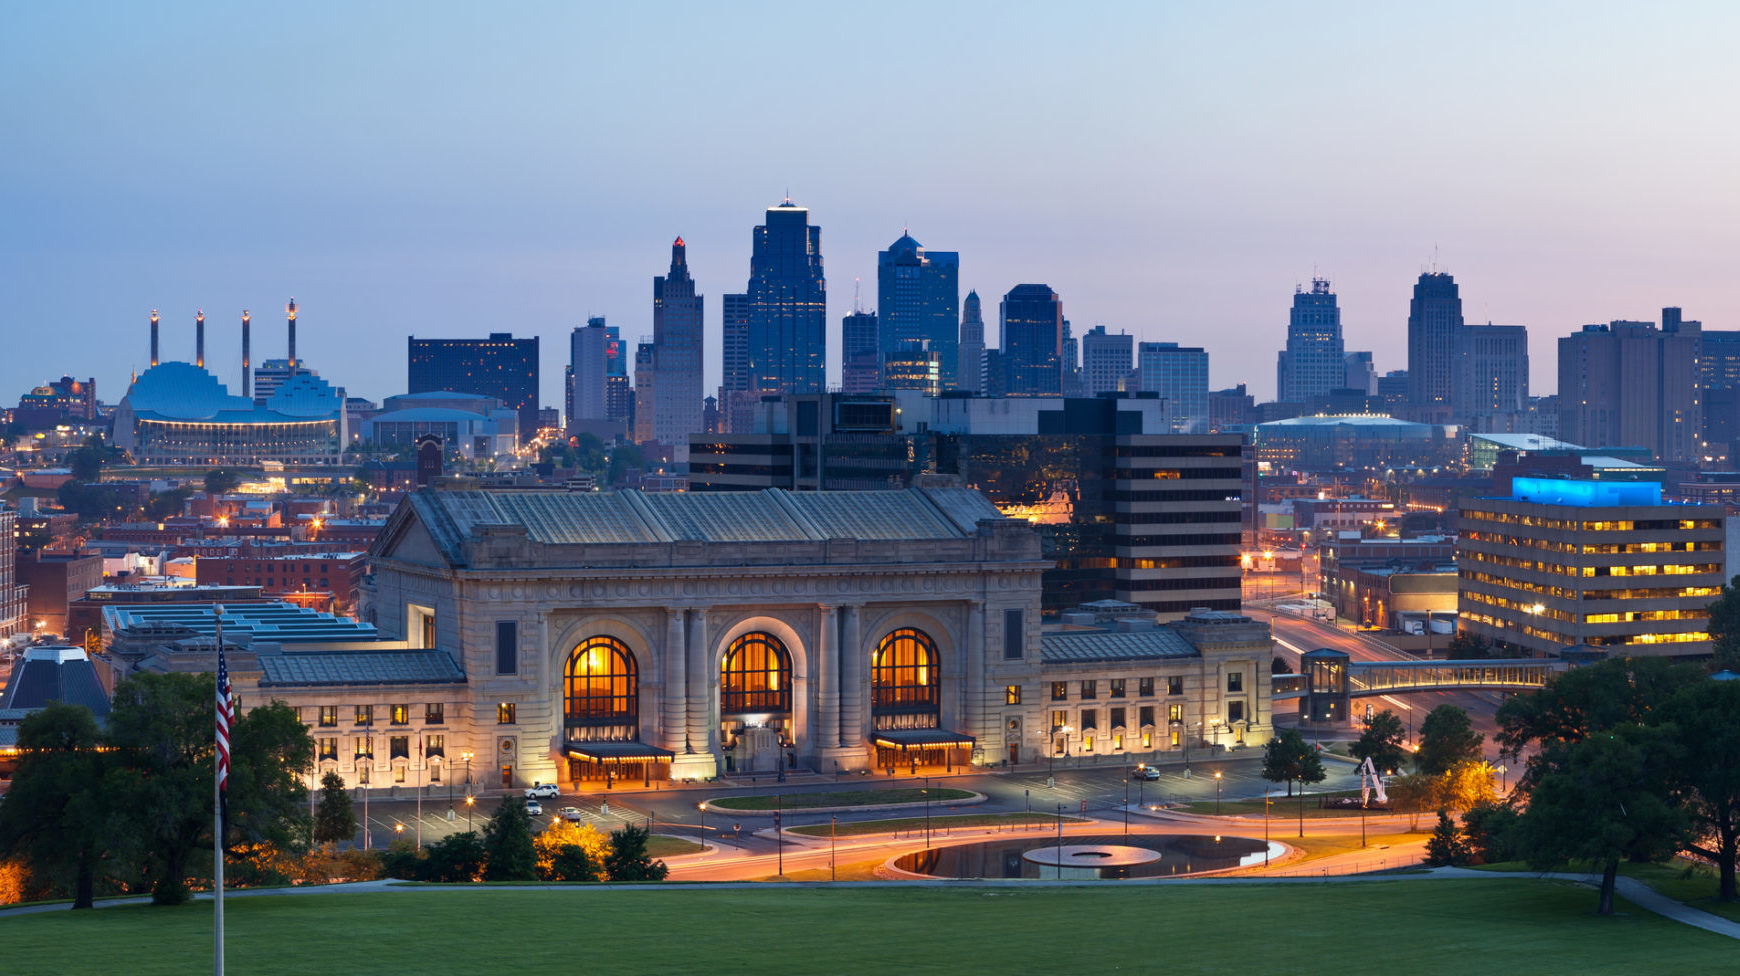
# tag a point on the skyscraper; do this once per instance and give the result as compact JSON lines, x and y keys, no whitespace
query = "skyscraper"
{"x":1032,"y":344}
{"x":1180,"y":375}
{"x":1314,"y":361}
{"x":918,"y":299}
{"x":788,"y":297}
{"x":1490,"y":376}
{"x":499,"y":366}
{"x":1106,"y":360}
{"x":1434,"y":319}
{"x":677,"y":346}
{"x":734,"y":394}
{"x":588,"y":369}
{"x":1630,"y":384}
{"x":970,"y":357}
{"x":860,"y":353}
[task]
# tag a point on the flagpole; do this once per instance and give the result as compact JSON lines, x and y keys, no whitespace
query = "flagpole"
{"x":217,"y":834}
{"x":419,"y":792}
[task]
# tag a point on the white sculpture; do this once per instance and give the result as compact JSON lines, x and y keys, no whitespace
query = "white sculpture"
{"x":1368,"y":781}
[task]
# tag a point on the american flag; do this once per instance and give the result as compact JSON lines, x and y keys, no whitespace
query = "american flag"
{"x":226,"y":713}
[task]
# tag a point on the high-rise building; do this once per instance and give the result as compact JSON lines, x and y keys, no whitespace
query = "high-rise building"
{"x":1314,"y":361}
{"x":1630,"y":384}
{"x":912,"y":366}
{"x":1180,"y":375}
{"x":1072,"y":384}
{"x":1434,"y":319}
{"x":1490,"y":374}
{"x":735,"y":397}
{"x":13,"y":597}
{"x":970,"y":356}
{"x":1361,"y":373}
{"x":788,"y":303}
{"x":1106,"y":361}
{"x":1031,"y":351}
{"x":588,"y":371}
{"x":677,"y":348}
{"x":646,"y":383}
{"x":499,"y":366}
{"x":918,"y":299}
{"x":860,"y":353}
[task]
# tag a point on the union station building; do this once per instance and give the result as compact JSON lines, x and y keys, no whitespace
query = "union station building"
{"x":583,"y":638}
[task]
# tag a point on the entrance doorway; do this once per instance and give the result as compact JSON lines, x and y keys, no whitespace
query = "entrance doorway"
{"x":1014,"y":753}
{"x":758,"y":751}
{"x":507,"y":777}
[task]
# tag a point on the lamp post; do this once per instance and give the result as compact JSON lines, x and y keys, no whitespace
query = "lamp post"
{"x":1060,"y":842}
{"x":1503,"y":780}
{"x":702,"y":806}
{"x":925,"y":792}
{"x":833,"y":850}
{"x":1267,"y":796}
{"x":1217,"y":792}
{"x":779,"y":831}
{"x":470,"y":805}
{"x":1126,"y":808}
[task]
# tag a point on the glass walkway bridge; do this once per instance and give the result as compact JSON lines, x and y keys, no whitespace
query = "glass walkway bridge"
{"x":1329,"y":680}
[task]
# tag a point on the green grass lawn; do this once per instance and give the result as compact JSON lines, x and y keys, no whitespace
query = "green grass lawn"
{"x":664,"y":845}
{"x":1280,"y":808}
{"x":839,"y":798}
{"x":1519,"y":926}
{"x":1685,"y":881}
{"x":936,"y":823}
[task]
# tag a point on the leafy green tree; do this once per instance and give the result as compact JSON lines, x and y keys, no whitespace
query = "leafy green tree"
{"x":1445,"y":848}
{"x":456,"y":858}
{"x":86,"y":463}
{"x":57,"y":817}
{"x":1466,"y":784}
{"x":1447,"y":737}
{"x":1725,"y":626}
{"x":1289,"y":757}
{"x":1489,"y":831}
{"x":628,"y":860}
{"x":1704,"y":723}
{"x":221,"y":481}
{"x":507,"y":841}
{"x":1469,"y":646}
{"x":166,"y":504}
{"x":334,"y":818}
{"x":402,"y":860}
{"x":1279,"y":665}
{"x":624,"y":458}
{"x":1413,"y":794}
{"x":1382,"y":742}
{"x":570,"y":862}
{"x":1602,"y":799}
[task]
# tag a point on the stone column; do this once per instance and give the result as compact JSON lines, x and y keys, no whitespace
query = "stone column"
{"x":973,"y":674}
{"x":701,"y":730}
{"x":673,"y":711}
{"x":824,"y":730}
{"x":854,"y":666}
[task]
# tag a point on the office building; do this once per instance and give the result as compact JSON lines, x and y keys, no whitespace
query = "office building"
{"x":1562,"y":565}
{"x":499,"y":366}
{"x":1314,"y":361}
{"x":970,"y":356}
{"x":1031,"y":350}
{"x":786,"y":348}
{"x":1106,"y":361}
{"x":472,"y":426}
{"x":645,"y":388}
{"x":860,"y":353}
{"x":1630,"y":384}
{"x":1356,"y":442}
{"x":676,"y":357}
{"x":1491,"y":375}
{"x":918,"y":300}
{"x":588,"y":372}
{"x":913,"y":366}
{"x":1434,"y":320}
{"x":57,"y":402}
{"x":1179,"y":374}
{"x":13,"y":596}
{"x":1361,"y":374}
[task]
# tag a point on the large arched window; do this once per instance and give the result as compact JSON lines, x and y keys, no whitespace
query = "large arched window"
{"x":756,"y":676}
{"x":904,"y":676}
{"x":603,"y":684}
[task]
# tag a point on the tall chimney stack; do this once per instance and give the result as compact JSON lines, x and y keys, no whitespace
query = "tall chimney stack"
{"x":245,"y":370}
{"x":199,"y":339}
{"x":290,"y":311}
{"x":153,"y":337}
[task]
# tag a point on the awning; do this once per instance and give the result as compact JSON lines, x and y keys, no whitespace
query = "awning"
{"x":922,"y":739}
{"x":617,"y":752}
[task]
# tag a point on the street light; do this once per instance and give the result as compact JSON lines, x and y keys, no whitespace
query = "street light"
{"x":702,"y":806}
{"x":1217,"y":792}
{"x":1126,"y":808}
{"x":470,"y":804}
{"x":925,"y":792}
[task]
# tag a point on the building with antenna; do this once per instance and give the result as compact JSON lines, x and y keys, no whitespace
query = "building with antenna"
{"x":1315,"y":361}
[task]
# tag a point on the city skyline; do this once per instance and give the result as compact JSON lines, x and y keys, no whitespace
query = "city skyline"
{"x":385,"y":225}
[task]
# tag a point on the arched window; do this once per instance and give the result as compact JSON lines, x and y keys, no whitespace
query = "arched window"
{"x":905,"y":676}
{"x":756,"y":676}
{"x":603,"y":684}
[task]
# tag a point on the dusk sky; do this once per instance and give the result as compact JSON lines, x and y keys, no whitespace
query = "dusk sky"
{"x":1172,"y":170}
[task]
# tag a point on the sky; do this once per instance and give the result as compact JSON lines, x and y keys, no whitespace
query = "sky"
{"x":1173,"y":170}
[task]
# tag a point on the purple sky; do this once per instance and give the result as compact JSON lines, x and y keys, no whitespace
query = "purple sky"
{"x":449,"y":171}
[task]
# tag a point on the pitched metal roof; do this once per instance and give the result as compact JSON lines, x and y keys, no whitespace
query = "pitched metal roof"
{"x":319,"y":668}
{"x":62,"y":674}
{"x":1079,"y":646}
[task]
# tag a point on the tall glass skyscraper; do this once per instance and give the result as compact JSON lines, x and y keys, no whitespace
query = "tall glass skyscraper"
{"x":1031,"y":353}
{"x":787,"y":348}
{"x":860,"y":355}
{"x":1180,"y":375}
{"x":1434,"y":321}
{"x":1315,"y":360}
{"x":677,"y":346}
{"x":918,"y":300}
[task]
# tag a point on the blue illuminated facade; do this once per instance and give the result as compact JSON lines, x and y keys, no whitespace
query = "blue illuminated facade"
{"x":1585,"y":494}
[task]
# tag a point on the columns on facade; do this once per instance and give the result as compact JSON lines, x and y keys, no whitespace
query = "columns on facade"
{"x":826,"y":675}
{"x":853,"y":668}
{"x":701,"y":732}
{"x":674,"y":715}
{"x":974,"y":680}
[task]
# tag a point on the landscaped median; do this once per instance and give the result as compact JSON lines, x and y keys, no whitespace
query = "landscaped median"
{"x":960,"y":821}
{"x":897,"y":798}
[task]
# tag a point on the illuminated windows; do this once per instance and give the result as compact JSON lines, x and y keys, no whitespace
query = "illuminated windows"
{"x":756,"y":676}
{"x":601,"y":684}
{"x":904,"y":676}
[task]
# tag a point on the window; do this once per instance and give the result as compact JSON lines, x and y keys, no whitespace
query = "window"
{"x":1235,"y":711}
{"x":401,"y":715}
{"x":328,"y":747}
{"x":1090,"y":718}
{"x":1147,"y":740}
{"x":1174,"y":713}
{"x":1059,"y":719}
{"x":399,"y":747}
{"x":603,"y":684}
{"x":1060,"y":691}
{"x":1117,"y":742}
{"x":328,"y":716}
{"x":297,"y":710}
{"x":1090,"y":690}
{"x":365,"y":747}
{"x":398,"y":774}
{"x":435,"y":772}
{"x":1011,"y":694}
{"x":904,"y":676}
{"x":1014,"y":636}
{"x":507,"y":647}
{"x":505,"y":713}
{"x":436,"y":745}
{"x":1175,"y":738}
{"x":1117,"y":688}
{"x":1235,"y":681}
{"x":435,"y":713}
{"x":756,"y":676}
{"x":1175,"y":685}
{"x":1087,"y":743}
{"x":1117,"y":718}
{"x":362,"y":775}
{"x":1145,"y":715}
{"x":1145,"y":687}
{"x":365,"y":715}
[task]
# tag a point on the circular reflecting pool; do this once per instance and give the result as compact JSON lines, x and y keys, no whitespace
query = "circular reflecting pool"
{"x":1030,"y":857}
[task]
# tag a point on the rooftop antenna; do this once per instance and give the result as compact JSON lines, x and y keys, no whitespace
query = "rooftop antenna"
{"x":199,"y":338}
{"x":857,"y":306}
{"x":245,"y":363}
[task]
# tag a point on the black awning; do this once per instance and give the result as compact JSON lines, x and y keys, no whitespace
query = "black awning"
{"x":617,"y":752}
{"x":922,"y":739}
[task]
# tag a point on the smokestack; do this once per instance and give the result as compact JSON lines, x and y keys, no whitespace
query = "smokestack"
{"x":245,"y":369}
{"x":199,"y":339}
{"x":153,"y":337}
{"x":290,"y":311}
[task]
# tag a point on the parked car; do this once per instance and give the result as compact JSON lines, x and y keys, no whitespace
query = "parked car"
{"x":534,"y":808}
{"x":1147,"y":772}
{"x":571,"y":814}
{"x":542,"y":791}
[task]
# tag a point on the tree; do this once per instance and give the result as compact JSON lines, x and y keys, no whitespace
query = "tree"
{"x":1289,"y":757}
{"x":623,"y":458}
{"x":402,"y":860}
{"x":1466,"y":784}
{"x":334,"y":818}
{"x":1700,"y":719}
{"x":1725,"y":626}
{"x":220,"y":481}
{"x":628,"y":860}
{"x":1468,"y":646}
{"x":1413,"y":794}
{"x":86,"y":463}
{"x":570,"y":862}
{"x":507,"y":841}
{"x":166,"y":504}
{"x":1445,"y":848}
{"x":1381,"y":741}
{"x":1489,"y":832}
{"x":1447,"y":737}
{"x":454,"y":859}
{"x":1279,"y":665}
{"x":56,"y":817}
{"x":1602,"y":799}
{"x":560,"y":834}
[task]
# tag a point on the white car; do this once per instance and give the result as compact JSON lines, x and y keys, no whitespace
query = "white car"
{"x":571,"y":814}
{"x":542,"y":791}
{"x":1146,"y":772}
{"x":534,"y":808}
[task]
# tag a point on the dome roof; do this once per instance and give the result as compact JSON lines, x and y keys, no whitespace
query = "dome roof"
{"x":906,"y":243}
{"x":182,"y":391}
